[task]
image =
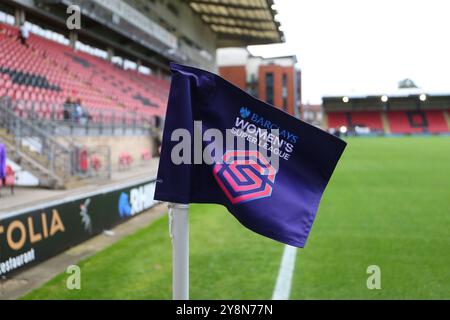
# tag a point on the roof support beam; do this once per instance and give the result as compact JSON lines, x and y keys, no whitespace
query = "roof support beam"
{"x":242,"y":36}
{"x":228,"y":5}
{"x":234,"y":17}
{"x":241,"y":25}
{"x":243,"y":28}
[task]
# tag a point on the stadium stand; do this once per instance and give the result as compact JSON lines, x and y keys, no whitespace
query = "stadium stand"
{"x":49,"y":73}
{"x":403,"y":113}
{"x":77,"y":103}
{"x":406,"y":122}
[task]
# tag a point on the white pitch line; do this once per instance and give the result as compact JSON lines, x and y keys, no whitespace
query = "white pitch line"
{"x":284,"y":281}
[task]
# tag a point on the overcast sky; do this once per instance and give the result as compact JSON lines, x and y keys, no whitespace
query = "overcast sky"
{"x":365,"y":46}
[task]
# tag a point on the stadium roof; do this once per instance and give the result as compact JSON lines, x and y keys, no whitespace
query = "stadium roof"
{"x":240,"y":22}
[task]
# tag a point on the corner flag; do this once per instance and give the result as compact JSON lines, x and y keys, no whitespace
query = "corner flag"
{"x":223,"y":146}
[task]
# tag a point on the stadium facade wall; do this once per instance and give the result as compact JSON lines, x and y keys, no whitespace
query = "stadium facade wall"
{"x":283,"y":90}
{"x":194,"y":37}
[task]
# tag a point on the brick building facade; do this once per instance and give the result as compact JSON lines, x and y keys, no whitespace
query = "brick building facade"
{"x":274,"y":80}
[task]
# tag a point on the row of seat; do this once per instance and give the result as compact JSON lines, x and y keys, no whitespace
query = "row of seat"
{"x":401,"y":122}
{"x":108,"y":78}
{"x":48,"y":72}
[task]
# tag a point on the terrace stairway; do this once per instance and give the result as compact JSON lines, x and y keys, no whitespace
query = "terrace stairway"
{"x":36,"y":151}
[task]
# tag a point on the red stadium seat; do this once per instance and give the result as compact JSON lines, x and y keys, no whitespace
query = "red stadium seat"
{"x":404,"y":122}
{"x":146,"y":155}
{"x":370,"y":119}
{"x":96,"y":163}
{"x":436,"y":121}
{"x":10,"y":179}
{"x":96,"y":82}
{"x":125,"y":160}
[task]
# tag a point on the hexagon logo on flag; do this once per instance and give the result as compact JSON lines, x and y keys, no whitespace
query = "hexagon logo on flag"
{"x":245,"y":176}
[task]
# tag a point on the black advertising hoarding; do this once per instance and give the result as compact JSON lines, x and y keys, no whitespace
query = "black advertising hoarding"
{"x":36,"y":234}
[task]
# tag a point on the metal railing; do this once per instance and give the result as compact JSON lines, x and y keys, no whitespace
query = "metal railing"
{"x":31,"y":140}
{"x":49,"y":118}
{"x":54,"y":162}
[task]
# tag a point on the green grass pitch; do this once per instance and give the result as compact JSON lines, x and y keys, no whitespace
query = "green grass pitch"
{"x":388,"y":204}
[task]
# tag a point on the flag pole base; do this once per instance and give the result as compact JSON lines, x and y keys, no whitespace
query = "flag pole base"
{"x":179,"y":230}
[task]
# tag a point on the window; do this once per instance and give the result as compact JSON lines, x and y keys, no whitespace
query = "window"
{"x":269,"y":87}
{"x":284,"y":92}
{"x":252,"y":86}
{"x":285,"y":106}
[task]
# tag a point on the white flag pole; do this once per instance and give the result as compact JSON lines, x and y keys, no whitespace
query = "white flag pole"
{"x":179,"y":231}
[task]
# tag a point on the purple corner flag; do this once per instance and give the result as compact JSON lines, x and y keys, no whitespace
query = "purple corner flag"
{"x":277,"y":201}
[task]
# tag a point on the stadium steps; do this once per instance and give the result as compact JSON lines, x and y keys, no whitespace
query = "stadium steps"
{"x":385,"y":121}
{"x":52,"y":164}
{"x":46,"y":178}
{"x":39,"y":158}
{"x":36,"y":164}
